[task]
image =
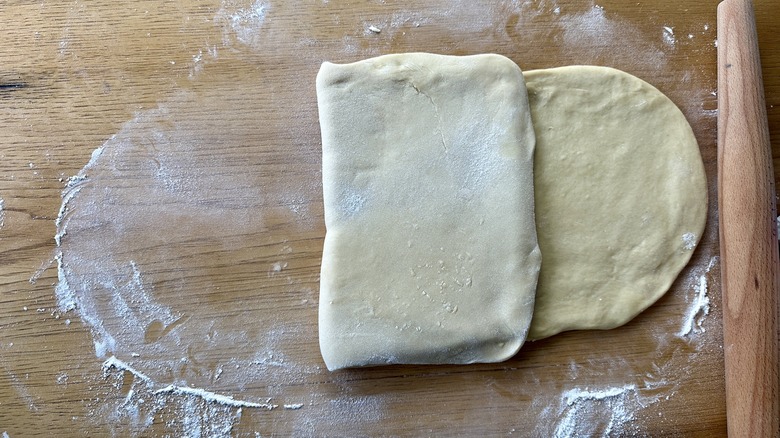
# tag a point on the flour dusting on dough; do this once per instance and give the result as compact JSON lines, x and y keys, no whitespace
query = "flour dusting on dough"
{"x":689,"y":241}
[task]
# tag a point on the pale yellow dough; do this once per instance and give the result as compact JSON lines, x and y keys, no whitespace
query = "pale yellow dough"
{"x":621,"y":197}
{"x":430,"y":254}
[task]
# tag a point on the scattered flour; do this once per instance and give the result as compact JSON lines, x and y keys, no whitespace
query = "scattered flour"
{"x":668,"y":35}
{"x":2,"y":212}
{"x":599,"y":412}
{"x":18,"y":384}
{"x":618,"y":408}
{"x":211,"y":397}
{"x":712,"y":113}
{"x":698,"y":310}
{"x":197,"y":64}
{"x":584,"y":34}
{"x":699,"y":306}
{"x":576,"y":395}
{"x":119,"y":255}
{"x":205,"y":413}
{"x":352,"y":204}
{"x":242,"y":21}
{"x":276,"y":268}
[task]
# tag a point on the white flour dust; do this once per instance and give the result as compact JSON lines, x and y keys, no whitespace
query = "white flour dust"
{"x":2,"y":212}
{"x":668,"y":36}
{"x":191,"y":411}
{"x":242,"y":21}
{"x":614,"y":410}
{"x":207,"y":396}
{"x":583,"y":34}
{"x":199,"y":59}
{"x":778,"y":227}
{"x":653,"y":377}
{"x":699,"y":303}
{"x":20,"y":388}
{"x":605,"y":409}
{"x":598,"y":412}
{"x":689,"y":241}
{"x":124,"y":237}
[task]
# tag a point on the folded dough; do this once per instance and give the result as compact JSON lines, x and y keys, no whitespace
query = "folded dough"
{"x":430,"y":254}
{"x":621,"y":196}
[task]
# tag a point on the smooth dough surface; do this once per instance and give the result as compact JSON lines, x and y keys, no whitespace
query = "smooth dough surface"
{"x":430,"y":254}
{"x":621,"y":196}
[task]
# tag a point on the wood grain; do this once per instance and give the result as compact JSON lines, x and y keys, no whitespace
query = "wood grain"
{"x":239,"y":89}
{"x":748,"y":232}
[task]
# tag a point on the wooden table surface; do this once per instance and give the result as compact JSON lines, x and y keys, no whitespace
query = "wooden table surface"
{"x":190,"y":237}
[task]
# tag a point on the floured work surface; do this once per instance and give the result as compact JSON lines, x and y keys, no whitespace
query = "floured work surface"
{"x":428,"y":257}
{"x":192,"y":243}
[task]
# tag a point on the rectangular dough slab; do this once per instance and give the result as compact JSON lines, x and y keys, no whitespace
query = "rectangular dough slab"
{"x":431,"y":253}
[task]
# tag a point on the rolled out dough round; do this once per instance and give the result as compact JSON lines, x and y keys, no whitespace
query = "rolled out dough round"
{"x":620,"y":195}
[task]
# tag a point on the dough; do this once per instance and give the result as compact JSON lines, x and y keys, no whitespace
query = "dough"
{"x":621,"y":196}
{"x":430,"y":254}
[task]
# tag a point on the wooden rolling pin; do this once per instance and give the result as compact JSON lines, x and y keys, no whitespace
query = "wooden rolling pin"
{"x":748,"y":231}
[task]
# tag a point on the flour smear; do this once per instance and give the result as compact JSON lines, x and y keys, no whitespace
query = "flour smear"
{"x":169,"y":245}
{"x":699,"y":302}
{"x":126,"y":265}
{"x":242,"y":21}
{"x":605,"y":409}
{"x":2,"y":212}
